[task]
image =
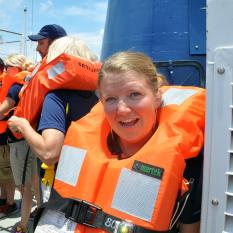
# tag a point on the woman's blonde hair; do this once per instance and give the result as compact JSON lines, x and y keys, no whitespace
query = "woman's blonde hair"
{"x":19,"y":61}
{"x":71,"y":45}
{"x":132,"y":61}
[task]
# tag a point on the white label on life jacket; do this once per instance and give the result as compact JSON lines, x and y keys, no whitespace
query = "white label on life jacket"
{"x":53,"y":222}
{"x":176,"y":96}
{"x":55,"y":70}
{"x":136,"y":194}
{"x":70,"y":164}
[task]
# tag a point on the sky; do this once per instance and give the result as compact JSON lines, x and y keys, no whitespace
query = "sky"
{"x":83,"y":18}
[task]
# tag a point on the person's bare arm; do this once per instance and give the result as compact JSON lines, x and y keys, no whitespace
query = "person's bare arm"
{"x":46,"y":146}
{"x":6,"y":106}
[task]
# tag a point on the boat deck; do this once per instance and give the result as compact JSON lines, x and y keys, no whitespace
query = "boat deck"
{"x":7,"y":224}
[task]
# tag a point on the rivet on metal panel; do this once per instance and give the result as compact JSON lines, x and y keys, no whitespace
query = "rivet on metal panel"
{"x":196,"y":46}
{"x":221,"y":70}
{"x":214,"y":202}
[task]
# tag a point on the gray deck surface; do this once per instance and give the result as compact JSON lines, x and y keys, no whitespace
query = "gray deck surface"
{"x":8,"y":223}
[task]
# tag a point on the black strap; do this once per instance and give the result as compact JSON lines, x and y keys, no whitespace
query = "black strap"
{"x":25,"y":167}
{"x":87,"y":214}
{"x":180,"y":204}
{"x":108,"y":223}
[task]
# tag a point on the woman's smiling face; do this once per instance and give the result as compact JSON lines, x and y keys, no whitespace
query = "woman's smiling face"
{"x":130,"y":105}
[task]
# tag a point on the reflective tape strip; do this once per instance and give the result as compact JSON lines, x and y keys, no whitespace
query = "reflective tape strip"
{"x":70,"y":164}
{"x":35,"y":69}
{"x":54,"y":222}
{"x":55,"y":70}
{"x":136,"y":194}
{"x":177,"y":96}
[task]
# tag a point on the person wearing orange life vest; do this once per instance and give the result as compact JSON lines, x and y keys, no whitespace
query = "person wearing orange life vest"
{"x":2,"y":78}
{"x":60,"y":107}
{"x":63,"y":72}
{"x":6,"y":178}
{"x":15,"y":73}
{"x":45,"y":37}
{"x":121,"y":166}
{"x":17,"y":66}
{"x":2,"y":71}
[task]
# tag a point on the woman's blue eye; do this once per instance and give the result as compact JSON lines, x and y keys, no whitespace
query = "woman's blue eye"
{"x":110,"y":100}
{"x":135,"y":94}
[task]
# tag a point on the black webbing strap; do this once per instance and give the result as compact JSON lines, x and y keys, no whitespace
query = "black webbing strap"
{"x":180,"y":204}
{"x":25,"y":167}
{"x":87,"y":214}
{"x":108,"y":223}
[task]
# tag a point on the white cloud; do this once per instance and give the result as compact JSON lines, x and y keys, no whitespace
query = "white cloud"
{"x":93,"y":40}
{"x":11,"y":5}
{"x":10,"y":48}
{"x":46,"y":6}
{"x":3,"y":18}
{"x":91,"y":12}
{"x":7,"y":11}
{"x":96,"y":11}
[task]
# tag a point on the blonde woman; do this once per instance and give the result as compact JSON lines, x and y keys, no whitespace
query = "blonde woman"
{"x":71,"y":45}
{"x":127,"y":156}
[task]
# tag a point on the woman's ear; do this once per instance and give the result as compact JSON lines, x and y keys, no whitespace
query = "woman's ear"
{"x":158,"y":99}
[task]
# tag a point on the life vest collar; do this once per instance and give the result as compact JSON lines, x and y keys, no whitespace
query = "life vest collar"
{"x":64,"y":72}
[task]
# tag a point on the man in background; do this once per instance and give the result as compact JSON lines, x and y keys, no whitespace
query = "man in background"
{"x":46,"y":36}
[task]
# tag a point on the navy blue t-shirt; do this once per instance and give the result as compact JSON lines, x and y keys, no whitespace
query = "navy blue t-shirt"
{"x":13,"y":93}
{"x":60,"y":107}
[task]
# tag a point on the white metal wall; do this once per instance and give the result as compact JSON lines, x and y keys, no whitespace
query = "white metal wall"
{"x":217,"y":204}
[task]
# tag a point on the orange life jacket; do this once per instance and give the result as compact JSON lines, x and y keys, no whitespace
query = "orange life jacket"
{"x":7,"y":82}
{"x":38,"y":67}
{"x":2,"y":76}
{"x":141,"y":189}
{"x":64,"y":72}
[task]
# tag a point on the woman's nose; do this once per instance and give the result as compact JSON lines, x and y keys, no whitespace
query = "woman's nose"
{"x":122,"y":107}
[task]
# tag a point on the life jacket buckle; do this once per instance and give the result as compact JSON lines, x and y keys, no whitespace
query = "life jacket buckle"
{"x":123,"y":227}
{"x":82,"y":212}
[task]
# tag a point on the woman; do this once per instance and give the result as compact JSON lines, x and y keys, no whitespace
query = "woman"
{"x":121,"y":166}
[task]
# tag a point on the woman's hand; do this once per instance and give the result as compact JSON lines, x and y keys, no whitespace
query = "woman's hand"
{"x":18,"y":124}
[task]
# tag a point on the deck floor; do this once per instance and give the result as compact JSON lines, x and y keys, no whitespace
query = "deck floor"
{"x":7,"y":224}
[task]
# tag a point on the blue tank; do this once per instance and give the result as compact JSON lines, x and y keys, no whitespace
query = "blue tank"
{"x":171,"y":32}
